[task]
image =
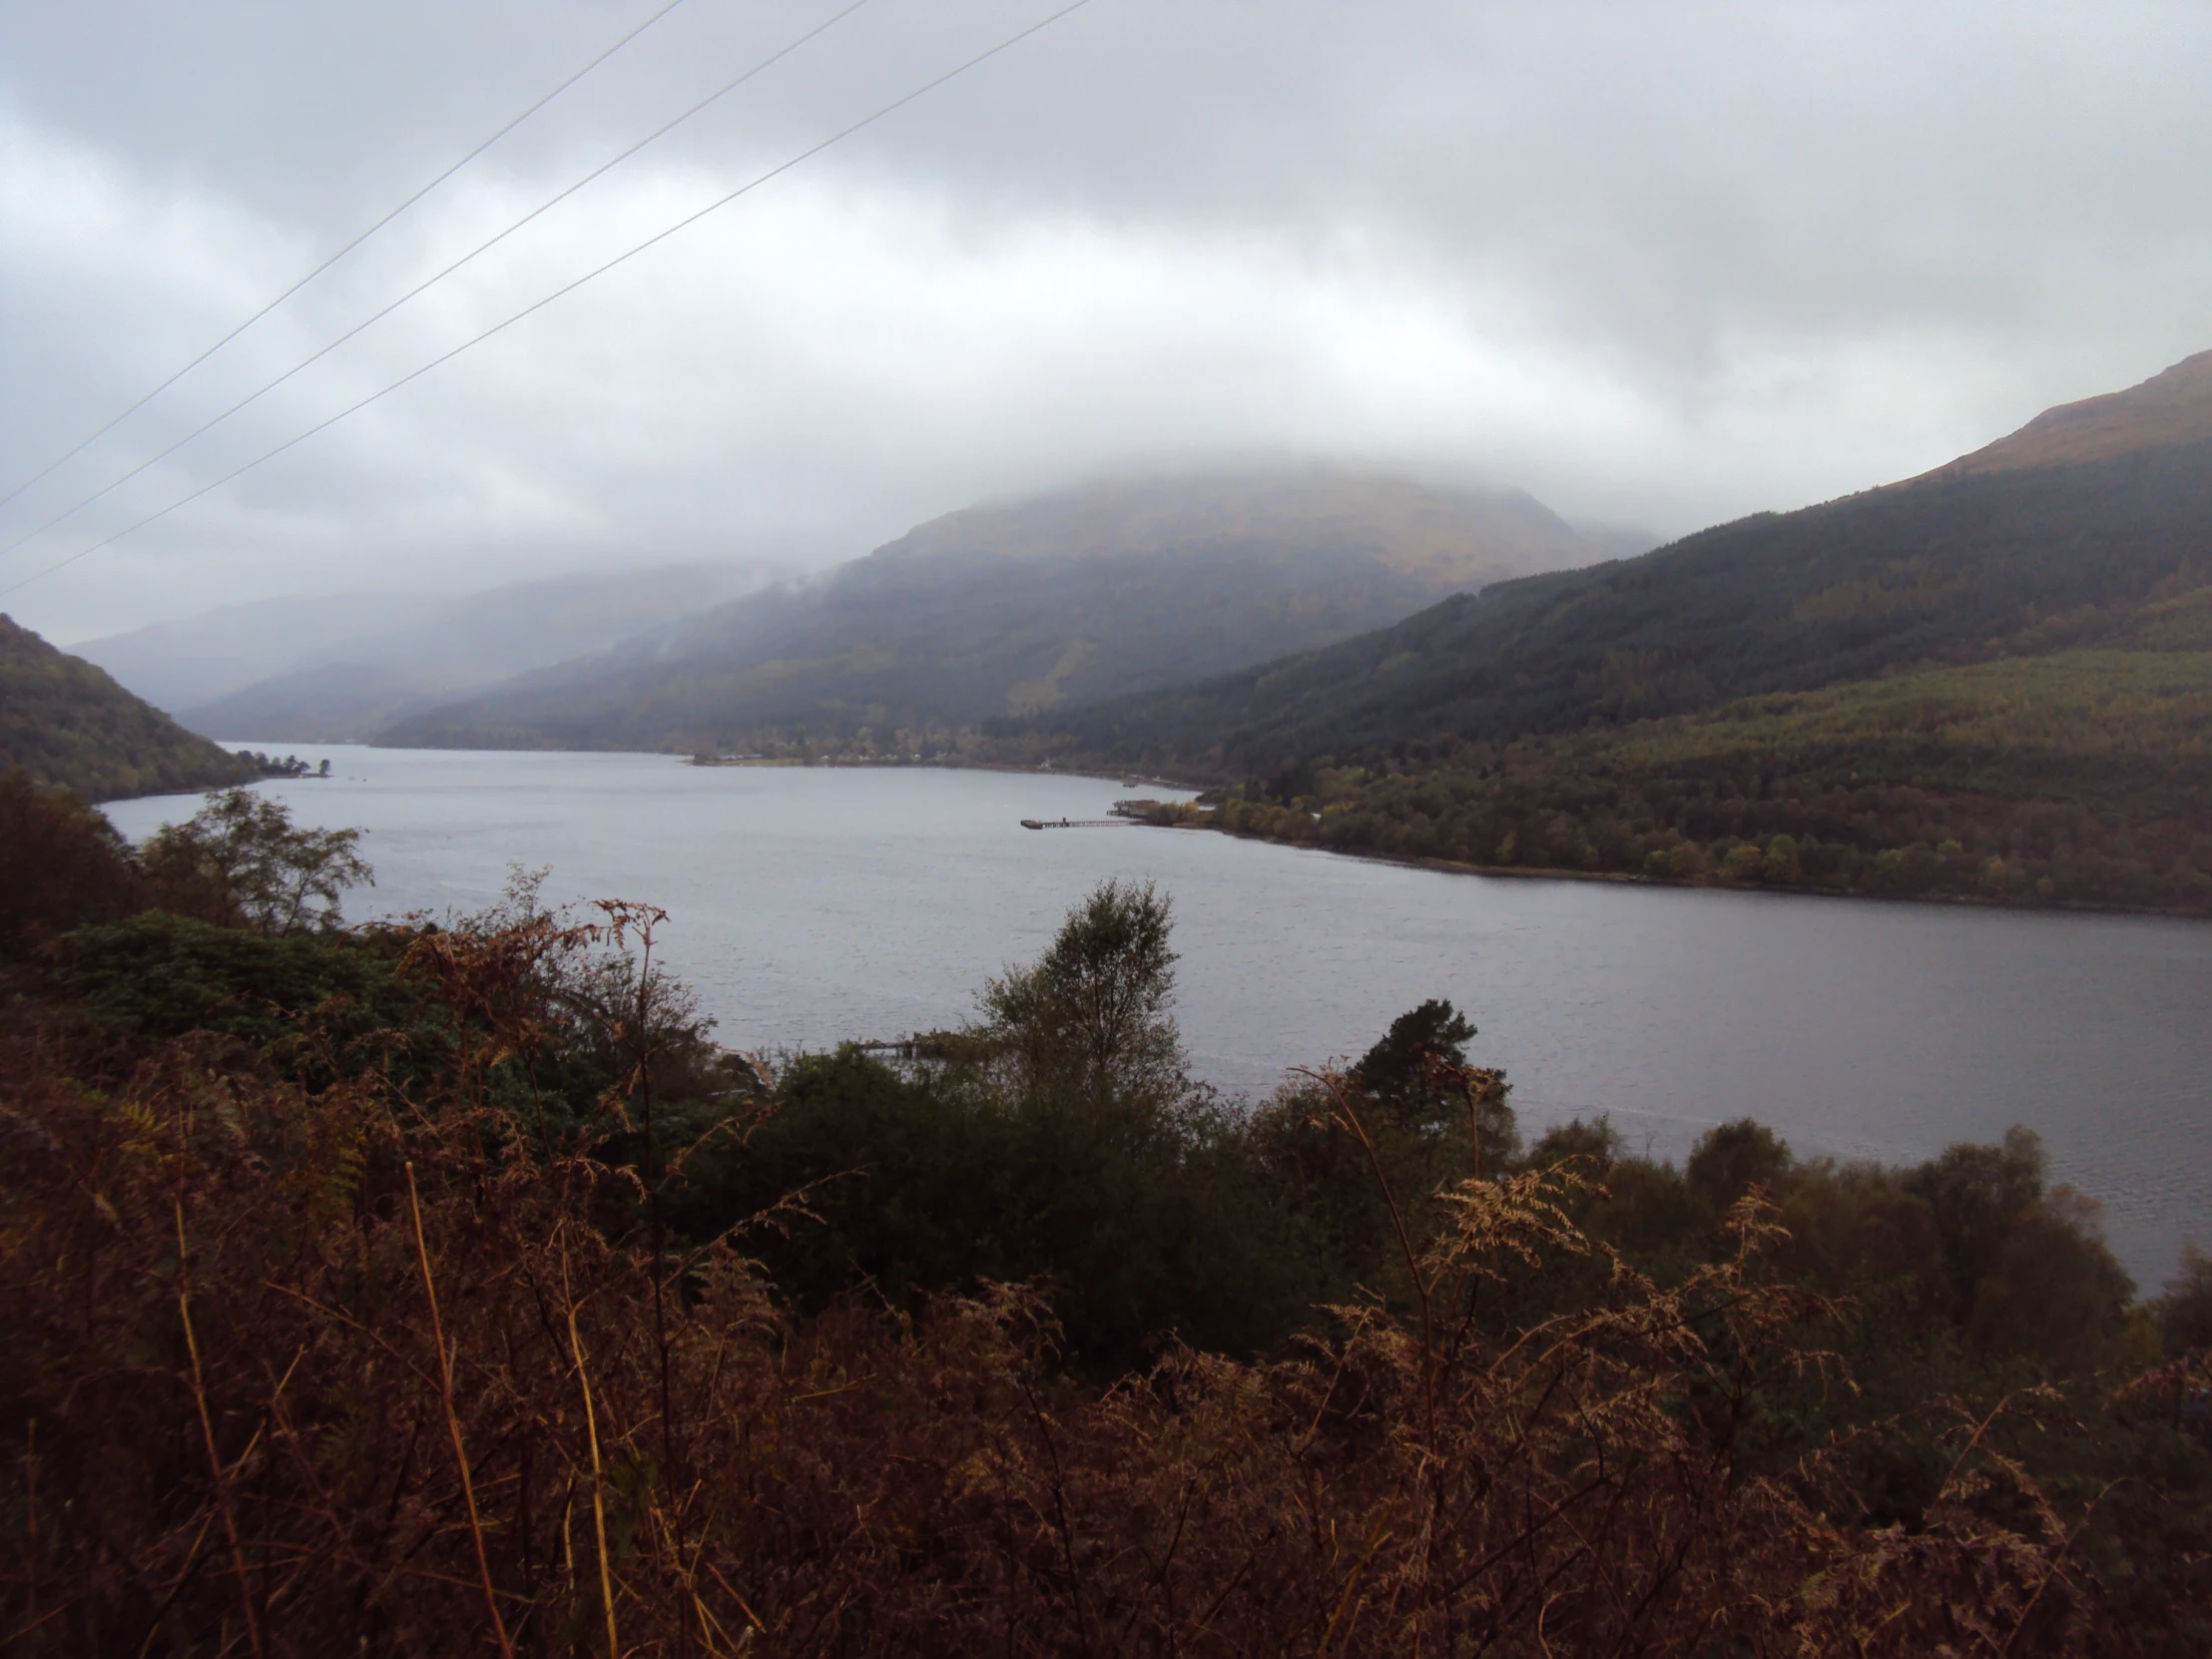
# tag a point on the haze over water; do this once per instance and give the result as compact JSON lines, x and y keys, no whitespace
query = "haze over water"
{"x":810,"y":905}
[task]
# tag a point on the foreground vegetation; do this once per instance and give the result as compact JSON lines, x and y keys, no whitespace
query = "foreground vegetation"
{"x":439,"y":1289}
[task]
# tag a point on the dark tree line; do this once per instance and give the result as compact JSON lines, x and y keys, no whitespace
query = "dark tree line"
{"x":1750,"y":829}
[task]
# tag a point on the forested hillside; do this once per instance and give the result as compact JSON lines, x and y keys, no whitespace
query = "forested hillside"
{"x":1030,"y":606}
{"x":1953,"y":568}
{"x":65,"y":721}
{"x":2079,"y":779}
{"x":1990,"y":681}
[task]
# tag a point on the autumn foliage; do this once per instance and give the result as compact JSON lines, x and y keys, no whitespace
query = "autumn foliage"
{"x":374,"y":1339}
{"x":234,"y":1430}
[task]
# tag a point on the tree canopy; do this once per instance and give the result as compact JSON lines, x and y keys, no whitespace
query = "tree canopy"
{"x":66,"y":723}
{"x":242,"y":858}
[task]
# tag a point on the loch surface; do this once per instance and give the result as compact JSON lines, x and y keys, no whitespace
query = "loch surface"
{"x":811,"y":904}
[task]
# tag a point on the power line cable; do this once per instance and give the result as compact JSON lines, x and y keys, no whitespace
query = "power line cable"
{"x":657,"y":238}
{"x":341,"y":254}
{"x":435,"y":278}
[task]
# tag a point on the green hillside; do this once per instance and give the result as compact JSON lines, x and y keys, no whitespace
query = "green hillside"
{"x":1020,"y":608}
{"x":2082,"y":778}
{"x":1994,"y":681}
{"x":2119,"y":732}
{"x":1951,"y":568}
{"x":65,"y":721}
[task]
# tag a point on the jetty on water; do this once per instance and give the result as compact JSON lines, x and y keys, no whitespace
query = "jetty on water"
{"x":1074,"y":823}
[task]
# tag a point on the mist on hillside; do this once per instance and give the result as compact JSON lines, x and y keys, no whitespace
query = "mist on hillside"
{"x":1657,"y":267}
{"x":329,"y":667}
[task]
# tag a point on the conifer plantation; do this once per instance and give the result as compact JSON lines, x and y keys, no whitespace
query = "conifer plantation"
{"x":443,"y":1288}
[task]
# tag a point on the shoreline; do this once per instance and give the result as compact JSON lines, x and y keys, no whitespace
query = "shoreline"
{"x":1622,"y":877}
{"x":1442,"y":866}
{"x":941,"y":765}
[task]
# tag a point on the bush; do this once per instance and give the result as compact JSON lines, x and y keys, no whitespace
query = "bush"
{"x":239,"y":862}
{"x":339,"y":1380}
{"x":1059,"y":1139}
{"x":523,"y":1314}
{"x":61,"y":866}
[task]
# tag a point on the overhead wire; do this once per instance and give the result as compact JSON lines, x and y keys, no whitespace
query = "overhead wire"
{"x":436,"y":276}
{"x":94,"y":438}
{"x":566,"y":289}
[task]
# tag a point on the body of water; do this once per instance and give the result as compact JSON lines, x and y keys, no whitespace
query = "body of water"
{"x":811,"y":904}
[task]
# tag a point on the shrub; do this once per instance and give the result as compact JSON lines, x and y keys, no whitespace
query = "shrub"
{"x":61,"y":866}
{"x":527,"y":1320}
{"x":241,"y":861}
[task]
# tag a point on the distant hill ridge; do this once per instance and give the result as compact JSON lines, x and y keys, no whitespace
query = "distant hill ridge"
{"x":2172,"y":407}
{"x":1023,"y":606}
{"x":1991,"y":684}
{"x":1448,"y":536}
{"x":328,"y":669}
{"x":2036,"y":551}
{"x":65,"y":721}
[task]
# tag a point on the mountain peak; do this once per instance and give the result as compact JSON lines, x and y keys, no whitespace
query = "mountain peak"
{"x":1456,"y":536}
{"x":1008,"y":607}
{"x":2171,"y":407}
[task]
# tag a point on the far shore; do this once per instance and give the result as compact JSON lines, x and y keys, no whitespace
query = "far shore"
{"x":1445,"y":866}
{"x":1454,"y":867}
{"x":1622,"y":877}
{"x":952,"y":763}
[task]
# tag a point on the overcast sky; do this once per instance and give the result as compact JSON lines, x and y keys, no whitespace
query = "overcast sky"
{"x":1659,"y":264}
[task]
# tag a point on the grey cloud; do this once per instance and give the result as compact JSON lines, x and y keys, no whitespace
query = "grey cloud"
{"x":1656,"y":263}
